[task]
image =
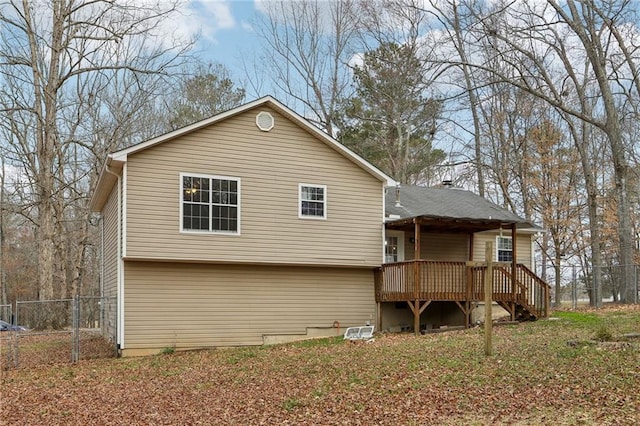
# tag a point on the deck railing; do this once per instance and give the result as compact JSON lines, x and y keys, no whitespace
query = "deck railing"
{"x":460,"y":281}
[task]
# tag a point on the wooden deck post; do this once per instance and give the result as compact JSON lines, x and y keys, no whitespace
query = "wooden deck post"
{"x":417,"y":309}
{"x":416,"y":277}
{"x":416,"y":257}
{"x":416,"y":318}
{"x":488,"y":300}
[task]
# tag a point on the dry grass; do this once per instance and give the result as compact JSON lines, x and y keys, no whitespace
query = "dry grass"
{"x":545,"y":372}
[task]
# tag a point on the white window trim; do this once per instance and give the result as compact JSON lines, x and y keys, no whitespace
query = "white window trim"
{"x":497,"y":254}
{"x":400,"y":236}
{"x":181,"y":202}
{"x":312,"y":185}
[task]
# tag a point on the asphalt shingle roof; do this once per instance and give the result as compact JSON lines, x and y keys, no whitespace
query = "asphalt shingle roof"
{"x":452,"y":203}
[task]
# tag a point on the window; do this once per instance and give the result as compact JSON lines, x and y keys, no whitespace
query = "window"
{"x":312,"y":201}
{"x":391,"y":249}
{"x":393,"y":246}
{"x":505,"y":249}
{"x":210,"y":203}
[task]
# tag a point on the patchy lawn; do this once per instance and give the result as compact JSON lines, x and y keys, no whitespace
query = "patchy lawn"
{"x":545,"y":372}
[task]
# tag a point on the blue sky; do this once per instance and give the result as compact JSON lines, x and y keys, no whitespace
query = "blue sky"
{"x":225,"y":29}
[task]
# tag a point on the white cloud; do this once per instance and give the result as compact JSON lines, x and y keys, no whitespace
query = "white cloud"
{"x":246,"y":26}
{"x":203,"y":18}
{"x":220,"y":12}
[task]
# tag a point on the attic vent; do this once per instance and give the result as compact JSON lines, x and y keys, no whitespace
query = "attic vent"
{"x":264,"y":121}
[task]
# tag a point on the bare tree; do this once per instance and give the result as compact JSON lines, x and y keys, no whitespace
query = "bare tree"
{"x":307,"y":45}
{"x":553,"y":172}
{"x":594,"y":24}
{"x":57,"y":60}
{"x":552,"y":51}
{"x":457,"y":23}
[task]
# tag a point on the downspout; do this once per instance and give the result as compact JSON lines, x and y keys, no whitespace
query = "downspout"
{"x":119,"y":283}
{"x":101,"y":303}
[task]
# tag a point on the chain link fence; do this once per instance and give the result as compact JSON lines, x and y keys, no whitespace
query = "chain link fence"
{"x":6,"y":337}
{"x":577,"y":284}
{"x":612,"y":279}
{"x":59,"y":331}
{"x":6,"y":313}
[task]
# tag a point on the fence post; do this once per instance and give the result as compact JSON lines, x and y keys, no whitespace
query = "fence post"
{"x":574,"y":295}
{"x":16,"y":343}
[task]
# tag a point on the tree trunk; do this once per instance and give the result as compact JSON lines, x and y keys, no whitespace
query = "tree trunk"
{"x":557,"y":265}
{"x":588,"y":31}
{"x":473,"y":101}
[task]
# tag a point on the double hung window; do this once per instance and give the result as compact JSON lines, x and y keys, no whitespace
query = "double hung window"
{"x":505,"y":249}
{"x":210,"y":203}
{"x":312,"y":201}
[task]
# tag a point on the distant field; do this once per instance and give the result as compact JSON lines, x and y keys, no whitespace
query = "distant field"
{"x":577,"y":368}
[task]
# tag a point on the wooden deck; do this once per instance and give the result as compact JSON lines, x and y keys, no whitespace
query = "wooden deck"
{"x":520,"y":291}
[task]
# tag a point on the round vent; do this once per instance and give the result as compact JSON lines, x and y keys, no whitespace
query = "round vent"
{"x":264,"y":121}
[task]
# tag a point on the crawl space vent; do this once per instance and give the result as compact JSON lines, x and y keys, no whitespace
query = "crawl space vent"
{"x":264,"y":121}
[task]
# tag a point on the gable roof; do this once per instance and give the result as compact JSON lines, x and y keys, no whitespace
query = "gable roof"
{"x":116,"y":160}
{"x":451,"y":208}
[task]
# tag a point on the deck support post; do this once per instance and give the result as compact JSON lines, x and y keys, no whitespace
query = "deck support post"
{"x":466,"y":310}
{"x":417,"y":309}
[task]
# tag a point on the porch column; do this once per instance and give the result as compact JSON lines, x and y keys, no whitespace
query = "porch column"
{"x":416,"y":237}
{"x":514,"y":263}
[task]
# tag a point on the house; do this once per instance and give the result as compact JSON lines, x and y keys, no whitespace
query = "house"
{"x":250,"y":227}
{"x":255,"y":227}
{"x":435,"y":249}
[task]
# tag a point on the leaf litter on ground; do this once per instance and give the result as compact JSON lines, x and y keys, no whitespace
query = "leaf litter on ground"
{"x":534,"y":377}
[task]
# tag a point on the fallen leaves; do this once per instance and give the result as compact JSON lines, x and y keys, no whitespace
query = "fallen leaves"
{"x":534,"y":378}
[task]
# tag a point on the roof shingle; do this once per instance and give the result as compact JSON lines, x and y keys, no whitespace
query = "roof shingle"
{"x":454,"y":203}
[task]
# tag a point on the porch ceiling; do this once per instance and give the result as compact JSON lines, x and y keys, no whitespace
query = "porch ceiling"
{"x":451,"y":225}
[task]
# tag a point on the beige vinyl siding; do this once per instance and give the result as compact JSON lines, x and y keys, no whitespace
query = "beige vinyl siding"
{"x":200,"y":305}
{"x":270,"y":166}
{"x":435,"y":246}
{"x":523,"y":249}
{"x":110,"y":256}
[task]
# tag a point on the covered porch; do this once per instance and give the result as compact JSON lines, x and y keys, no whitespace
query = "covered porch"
{"x":420,"y":281}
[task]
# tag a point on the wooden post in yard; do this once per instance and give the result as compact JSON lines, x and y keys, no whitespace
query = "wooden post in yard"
{"x":488,"y":290}
{"x":417,"y":279}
